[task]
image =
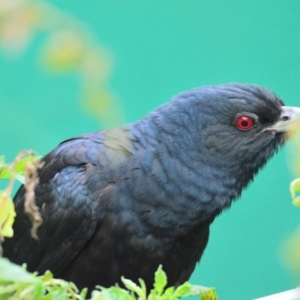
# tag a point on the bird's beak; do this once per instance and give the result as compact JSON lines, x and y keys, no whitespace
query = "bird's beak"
{"x":289,"y":119}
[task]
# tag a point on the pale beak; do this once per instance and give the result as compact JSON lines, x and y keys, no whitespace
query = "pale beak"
{"x":289,"y":119}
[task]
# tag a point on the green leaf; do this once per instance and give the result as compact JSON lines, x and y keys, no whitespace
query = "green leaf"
{"x":143,"y":294}
{"x":27,"y":292}
{"x":47,"y":276}
{"x":206,"y":293}
{"x":168,"y":294}
{"x":48,"y":297}
{"x":183,"y":290}
{"x":160,"y":280}
{"x":5,"y":172}
{"x":20,"y":165}
{"x":83,"y":293}
{"x":130,"y":285}
{"x":6,"y":291}
{"x":112,"y":293}
{"x":294,"y":189}
{"x":39,"y":290}
{"x":10,"y":272}
{"x":24,"y":286}
{"x":209,"y":295}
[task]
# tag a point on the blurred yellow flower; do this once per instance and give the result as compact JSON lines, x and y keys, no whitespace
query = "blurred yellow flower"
{"x":18,"y":22}
{"x":64,"y":51}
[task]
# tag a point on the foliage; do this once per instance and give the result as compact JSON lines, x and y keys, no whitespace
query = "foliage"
{"x":295,"y":189}
{"x":12,"y":171}
{"x":16,"y":283}
{"x":15,"y":169}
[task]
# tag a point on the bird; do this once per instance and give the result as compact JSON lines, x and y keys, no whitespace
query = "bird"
{"x":121,"y":202}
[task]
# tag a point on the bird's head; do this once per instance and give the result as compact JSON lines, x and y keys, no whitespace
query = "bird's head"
{"x":235,"y":128}
{"x":238,"y":122}
{"x":202,"y":148}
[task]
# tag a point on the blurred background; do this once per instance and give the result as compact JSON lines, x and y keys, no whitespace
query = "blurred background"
{"x":71,"y":67}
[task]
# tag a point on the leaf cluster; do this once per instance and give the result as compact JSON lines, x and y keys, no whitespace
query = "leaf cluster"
{"x":15,"y":169}
{"x":20,"y":169}
{"x":18,"y":284}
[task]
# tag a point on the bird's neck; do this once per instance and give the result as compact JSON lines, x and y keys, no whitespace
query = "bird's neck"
{"x":176,"y":187}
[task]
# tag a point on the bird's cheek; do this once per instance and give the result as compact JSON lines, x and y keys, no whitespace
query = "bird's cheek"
{"x":222,"y":145}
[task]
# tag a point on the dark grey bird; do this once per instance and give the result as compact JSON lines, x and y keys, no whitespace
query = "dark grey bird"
{"x":122,"y":201}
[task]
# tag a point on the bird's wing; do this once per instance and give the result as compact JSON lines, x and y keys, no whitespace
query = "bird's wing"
{"x":65,"y":199}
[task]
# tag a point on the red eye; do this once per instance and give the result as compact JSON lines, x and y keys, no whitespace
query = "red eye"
{"x":244,"y":123}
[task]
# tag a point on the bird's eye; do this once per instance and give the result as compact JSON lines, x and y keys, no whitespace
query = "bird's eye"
{"x":244,"y":123}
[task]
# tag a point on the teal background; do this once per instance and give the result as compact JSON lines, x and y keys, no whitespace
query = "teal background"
{"x":161,"y":48}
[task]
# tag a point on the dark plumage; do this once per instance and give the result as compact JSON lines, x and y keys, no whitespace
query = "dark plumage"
{"x":122,"y":201}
